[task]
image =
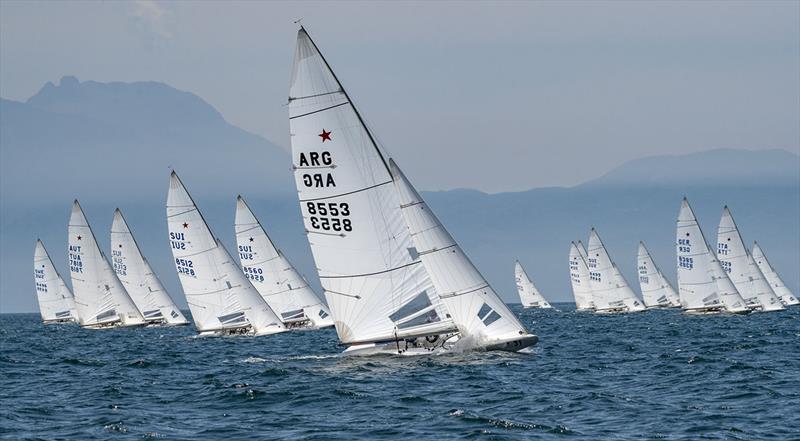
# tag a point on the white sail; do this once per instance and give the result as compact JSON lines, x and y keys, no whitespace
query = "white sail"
{"x":528,"y":294}
{"x":281,"y":286}
{"x":56,"y":303}
{"x":100,"y":298}
{"x":375,"y":285}
{"x":579,"y":276}
{"x":702,"y":283}
{"x":138,"y":278}
{"x":220,"y":298}
{"x":610,"y":290}
{"x":656,"y":289}
{"x":475,"y":307}
{"x":741,"y":268}
{"x":774,"y":280}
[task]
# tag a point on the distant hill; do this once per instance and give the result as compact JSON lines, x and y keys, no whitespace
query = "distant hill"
{"x":90,"y":139}
{"x":111,"y":144}
{"x":712,"y":167}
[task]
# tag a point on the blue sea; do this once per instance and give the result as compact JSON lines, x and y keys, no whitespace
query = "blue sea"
{"x":653,"y":375}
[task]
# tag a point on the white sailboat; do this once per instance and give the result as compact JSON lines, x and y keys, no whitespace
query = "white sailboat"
{"x":703,"y":286}
{"x":610,"y":290}
{"x":276,"y":280}
{"x":774,"y":280}
{"x":528,"y":294}
{"x":100,"y":298}
{"x":384,"y":294}
{"x":657,"y":292}
{"x":56,"y":302}
{"x":579,"y":276}
{"x":742,"y":268}
{"x":222,"y":300}
{"x":138,"y":277}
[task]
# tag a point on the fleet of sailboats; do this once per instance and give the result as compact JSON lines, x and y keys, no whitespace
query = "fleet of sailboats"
{"x":394,"y":279}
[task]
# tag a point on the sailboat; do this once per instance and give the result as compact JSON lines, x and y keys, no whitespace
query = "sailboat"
{"x":138,"y":278}
{"x":774,"y":280}
{"x":579,"y":276}
{"x":100,"y":297}
{"x":56,"y":302}
{"x":528,"y":294}
{"x":610,"y":290}
{"x":222,"y":300}
{"x":394,"y":279}
{"x":742,"y":268}
{"x":657,"y":292}
{"x":276,"y":280}
{"x":703,"y":286}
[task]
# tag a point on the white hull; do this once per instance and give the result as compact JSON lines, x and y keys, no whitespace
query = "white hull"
{"x":440,"y":344}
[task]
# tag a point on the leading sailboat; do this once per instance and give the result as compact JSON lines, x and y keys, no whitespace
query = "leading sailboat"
{"x":703,"y":286}
{"x":100,"y":298}
{"x":221,"y":299}
{"x":393,"y":277}
{"x":56,"y":302}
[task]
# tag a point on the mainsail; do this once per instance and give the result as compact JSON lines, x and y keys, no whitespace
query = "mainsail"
{"x":375,"y":284}
{"x":528,"y":294}
{"x":702,"y":283}
{"x":221,"y":299}
{"x":579,"y":276}
{"x":656,"y":289}
{"x":741,"y":267}
{"x":472,"y":302}
{"x":281,"y":286}
{"x":138,"y":278}
{"x":774,"y":280}
{"x":100,"y":298}
{"x":56,"y":302}
{"x":610,"y":290}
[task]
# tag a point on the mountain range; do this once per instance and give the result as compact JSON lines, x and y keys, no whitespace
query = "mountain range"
{"x":113,"y":144}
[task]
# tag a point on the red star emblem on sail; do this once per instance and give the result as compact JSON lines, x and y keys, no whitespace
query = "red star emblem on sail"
{"x":326,"y":136}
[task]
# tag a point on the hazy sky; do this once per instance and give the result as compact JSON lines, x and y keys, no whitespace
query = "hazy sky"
{"x":494,"y":96}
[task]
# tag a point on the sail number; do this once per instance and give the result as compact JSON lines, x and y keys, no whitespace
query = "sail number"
{"x":41,"y":287}
{"x":329,"y":216}
{"x":722,"y":249}
{"x":684,"y":246}
{"x":176,"y":240}
{"x":594,"y":276}
{"x":725,"y":265}
{"x":75,"y":263}
{"x":685,"y":262}
{"x":119,"y":263}
{"x":185,"y":266}
{"x":256,"y":274}
{"x":245,"y":252}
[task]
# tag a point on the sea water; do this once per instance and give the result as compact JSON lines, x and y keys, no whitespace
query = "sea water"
{"x":654,"y":375}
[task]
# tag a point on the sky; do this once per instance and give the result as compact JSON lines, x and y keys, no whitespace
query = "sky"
{"x":492,"y":96}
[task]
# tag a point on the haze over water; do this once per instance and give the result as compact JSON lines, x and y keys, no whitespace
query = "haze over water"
{"x":657,"y":374}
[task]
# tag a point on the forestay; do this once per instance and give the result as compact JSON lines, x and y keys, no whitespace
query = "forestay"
{"x":100,"y":297}
{"x":475,"y":307}
{"x":375,"y":284}
{"x":528,"y":294}
{"x":56,"y":303}
{"x":220,"y":297}
{"x":271,"y":273}
{"x":742,"y":268}
{"x":656,"y":289}
{"x":610,"y":290}
{"x":138,"y":277}
{"x":579,"y":276}
{"x":774,"y":280}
